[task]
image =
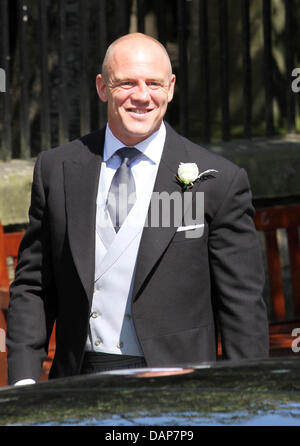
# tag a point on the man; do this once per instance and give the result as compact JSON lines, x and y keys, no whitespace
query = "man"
{"x":127,"y":294}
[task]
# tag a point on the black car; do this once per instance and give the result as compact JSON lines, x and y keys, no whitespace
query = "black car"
{"x":254,"y":393}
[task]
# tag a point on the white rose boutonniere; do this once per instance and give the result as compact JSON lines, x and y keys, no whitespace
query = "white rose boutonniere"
{"x":188,"y":174}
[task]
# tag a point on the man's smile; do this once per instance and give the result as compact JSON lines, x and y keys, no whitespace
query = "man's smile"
{"x":139,"y":111}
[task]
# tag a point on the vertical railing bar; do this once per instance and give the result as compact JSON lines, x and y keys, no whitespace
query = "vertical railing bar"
{"x":63,"y":103}
{"x":268,"y":66}
{"x":289,"y":60}
{"x":45,"y":103}
{"x":141,"y":16}
{"x":275,"y":276}
{"x":223,"y":38}
{"x":162,"y":23}
{"x":183,"y":68}
{"x":121,"y":13}
{"x":101,"y":51}
{"x":6,"y":149}
{"x":247,"y":78}
{"x":204,"y":70}
{"x":24,"y":74}
{"x":84,"y":77}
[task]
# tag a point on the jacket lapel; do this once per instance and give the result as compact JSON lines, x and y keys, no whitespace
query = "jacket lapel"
{"x":81,"y":187}
{"x":155,"y":239}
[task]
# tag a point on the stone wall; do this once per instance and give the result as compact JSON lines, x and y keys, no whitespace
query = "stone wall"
{"x":15,"y":189}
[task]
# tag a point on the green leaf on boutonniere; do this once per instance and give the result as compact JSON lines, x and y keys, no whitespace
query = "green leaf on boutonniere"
{"x":188,"y":174}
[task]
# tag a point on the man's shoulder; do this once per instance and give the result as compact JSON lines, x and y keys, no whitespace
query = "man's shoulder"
{"x":78,"y":148}
{"x":202,"y":153}
{"x":203,"y":156}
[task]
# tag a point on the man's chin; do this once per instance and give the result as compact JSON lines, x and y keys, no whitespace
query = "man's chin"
{"x":137,"y":134}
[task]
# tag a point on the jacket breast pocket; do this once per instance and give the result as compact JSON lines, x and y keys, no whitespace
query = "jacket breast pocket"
{"x":190,"y":235}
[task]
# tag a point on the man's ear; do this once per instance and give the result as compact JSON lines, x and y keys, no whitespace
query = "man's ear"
{"x":171,"y":88}
{"x":101,"y":88}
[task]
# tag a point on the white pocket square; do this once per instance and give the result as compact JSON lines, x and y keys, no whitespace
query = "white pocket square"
{"x":190,"y":227}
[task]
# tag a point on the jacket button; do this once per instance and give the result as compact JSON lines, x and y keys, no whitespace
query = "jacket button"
{"x":94,"y":314}
{"x":98,"y":341}
{"x":120,"y":344}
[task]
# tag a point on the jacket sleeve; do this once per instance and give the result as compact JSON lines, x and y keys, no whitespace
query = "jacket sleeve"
{"x":238,"y":275}
{"x":31,"y":310}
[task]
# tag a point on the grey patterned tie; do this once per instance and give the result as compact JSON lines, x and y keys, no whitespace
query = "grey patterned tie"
{"x":121,"y":195}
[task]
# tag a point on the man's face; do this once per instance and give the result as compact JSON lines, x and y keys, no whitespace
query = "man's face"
{"x":138,"y":89}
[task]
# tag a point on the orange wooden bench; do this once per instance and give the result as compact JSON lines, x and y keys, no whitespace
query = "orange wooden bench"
{"x":270,"y":220}
{"x":9,"y":246}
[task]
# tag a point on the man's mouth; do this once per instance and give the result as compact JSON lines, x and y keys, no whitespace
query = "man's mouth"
{"x":139,"y":111}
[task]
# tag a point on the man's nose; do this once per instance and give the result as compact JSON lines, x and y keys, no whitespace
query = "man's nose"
{"x":141,"y":92}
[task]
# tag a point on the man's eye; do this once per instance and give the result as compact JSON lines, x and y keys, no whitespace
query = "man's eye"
{"x":126,"y":84}
{"x":153,"y":84}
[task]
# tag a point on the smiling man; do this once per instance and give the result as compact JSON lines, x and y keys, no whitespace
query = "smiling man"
{"x":138,"y":85}
{"x":124,"y":295}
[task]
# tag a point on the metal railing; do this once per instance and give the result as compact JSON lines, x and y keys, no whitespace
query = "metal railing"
{"x":38,"y":61}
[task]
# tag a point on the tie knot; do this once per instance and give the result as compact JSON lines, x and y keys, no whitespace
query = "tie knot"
{"x":127,"y":154}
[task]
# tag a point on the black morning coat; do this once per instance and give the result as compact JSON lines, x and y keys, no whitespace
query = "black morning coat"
{"x":186,"y":290}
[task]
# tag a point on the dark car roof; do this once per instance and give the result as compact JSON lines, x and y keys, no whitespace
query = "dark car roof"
{"x":224,"y":393}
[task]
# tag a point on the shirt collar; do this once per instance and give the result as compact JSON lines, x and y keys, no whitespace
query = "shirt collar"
{"x":151,"y":147}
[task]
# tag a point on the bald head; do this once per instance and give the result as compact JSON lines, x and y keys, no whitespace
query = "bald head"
{"x":137,"y":83}
{"x":133,"y":42}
